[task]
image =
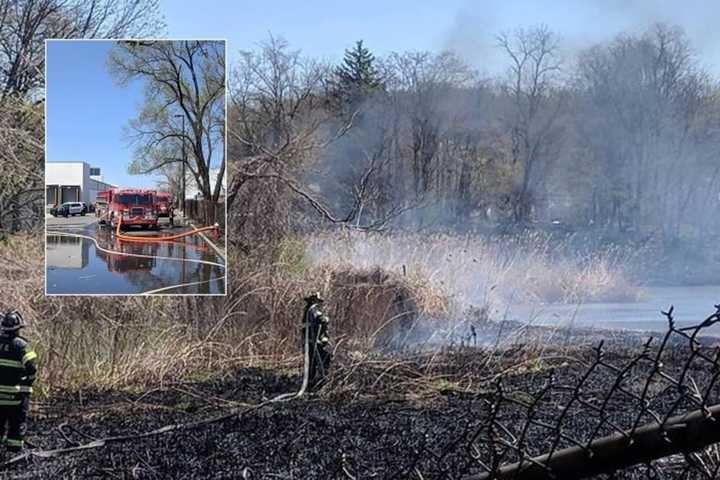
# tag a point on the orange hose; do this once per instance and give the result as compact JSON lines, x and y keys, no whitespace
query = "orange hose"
{"x":127,"y":238}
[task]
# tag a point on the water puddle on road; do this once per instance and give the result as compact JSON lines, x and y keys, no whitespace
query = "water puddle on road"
{"x":93,"y":261}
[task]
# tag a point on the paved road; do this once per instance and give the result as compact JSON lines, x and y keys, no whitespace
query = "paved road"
{"x":78,"y":221}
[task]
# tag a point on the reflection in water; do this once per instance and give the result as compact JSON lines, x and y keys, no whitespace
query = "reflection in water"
{"x":67,"y":252}
{"x":127,"y":263}
{"x":115,"y":267}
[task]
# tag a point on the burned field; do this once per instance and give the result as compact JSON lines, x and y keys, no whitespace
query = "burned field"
{"x":449,"y":413}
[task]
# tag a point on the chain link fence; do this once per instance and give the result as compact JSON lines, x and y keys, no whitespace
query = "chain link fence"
{"x":651,"y":415}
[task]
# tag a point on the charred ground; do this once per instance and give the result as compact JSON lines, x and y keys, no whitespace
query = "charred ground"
{"x":402,"y":415}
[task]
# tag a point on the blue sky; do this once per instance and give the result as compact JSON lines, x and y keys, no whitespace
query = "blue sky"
{"x":324,"y":28}
{"x":86,"y":111}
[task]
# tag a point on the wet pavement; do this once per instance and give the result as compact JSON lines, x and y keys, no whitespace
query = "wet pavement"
{"x":83,"y":259}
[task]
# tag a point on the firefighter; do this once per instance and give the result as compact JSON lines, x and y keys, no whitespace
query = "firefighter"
{"x":17,"y":373}
{"x":315,"y":338}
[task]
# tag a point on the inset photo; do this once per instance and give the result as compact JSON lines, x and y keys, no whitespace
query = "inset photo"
{"x":135,"y":167}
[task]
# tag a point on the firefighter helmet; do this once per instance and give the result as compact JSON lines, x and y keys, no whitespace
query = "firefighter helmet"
{"x":314,"y":297}
{"x":12,"y":321}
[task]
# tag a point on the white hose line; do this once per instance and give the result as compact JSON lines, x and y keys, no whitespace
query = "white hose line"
{"x":115,"y":252}
{"x":306,"y":373}
{"x":150,"y":292}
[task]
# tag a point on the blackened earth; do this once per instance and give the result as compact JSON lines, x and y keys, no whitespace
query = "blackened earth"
{"x":386,"y":417}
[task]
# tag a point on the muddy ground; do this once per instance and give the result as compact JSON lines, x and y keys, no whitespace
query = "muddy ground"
{"x":391,"y":416}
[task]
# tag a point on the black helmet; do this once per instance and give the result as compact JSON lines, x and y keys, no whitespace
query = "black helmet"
{"x":12,"y":321}
{"x":314,"y":297}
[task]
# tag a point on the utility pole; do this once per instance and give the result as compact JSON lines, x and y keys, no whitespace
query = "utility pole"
{"x":184,"y":161}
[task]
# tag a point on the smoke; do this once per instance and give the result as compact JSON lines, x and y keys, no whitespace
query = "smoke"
{"x":579,"y":25}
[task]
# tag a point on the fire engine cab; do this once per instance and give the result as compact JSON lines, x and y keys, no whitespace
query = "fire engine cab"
{"x":136,"y":207}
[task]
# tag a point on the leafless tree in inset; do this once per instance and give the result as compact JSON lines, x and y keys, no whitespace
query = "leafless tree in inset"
{"x":184,"y":80}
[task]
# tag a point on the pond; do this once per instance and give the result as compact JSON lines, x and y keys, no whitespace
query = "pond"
{"x":692,"y":306}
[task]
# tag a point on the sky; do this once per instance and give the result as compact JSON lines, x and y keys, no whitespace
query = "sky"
{"x":86,"y":111}
{"x":324,"y":28}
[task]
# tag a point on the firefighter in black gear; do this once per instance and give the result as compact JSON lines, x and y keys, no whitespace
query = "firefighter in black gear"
{"x":17,"y":373}
{"x":315,"y":339}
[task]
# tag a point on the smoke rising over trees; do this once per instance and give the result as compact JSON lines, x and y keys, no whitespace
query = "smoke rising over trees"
{"x":621,"y":137}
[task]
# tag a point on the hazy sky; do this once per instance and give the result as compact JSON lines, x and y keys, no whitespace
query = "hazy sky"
{"x":86,"y":110}
{"x":324,"y":28}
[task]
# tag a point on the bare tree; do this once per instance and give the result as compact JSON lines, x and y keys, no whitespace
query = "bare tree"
{"x":532,"y":87}
{"x":25,"y":24}
{"x":647,"y":124}
{"x":21,"y":156}
{"x":281,"y":122}
{"x":428,"y":94}
{"x":185,"y":84}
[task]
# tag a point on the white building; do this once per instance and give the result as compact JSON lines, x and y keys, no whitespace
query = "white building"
{"x":73,"y":182}
{"x":192,"y":191}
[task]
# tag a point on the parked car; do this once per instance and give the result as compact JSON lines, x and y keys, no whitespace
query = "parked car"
{"x":69,"y":208}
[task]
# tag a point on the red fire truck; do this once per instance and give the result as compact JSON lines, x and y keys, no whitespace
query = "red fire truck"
{"x":136,"y":207}
{"x":102,"y":203}
{"x":163,"y":201}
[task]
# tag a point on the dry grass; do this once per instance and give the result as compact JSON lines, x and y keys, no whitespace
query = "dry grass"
{"x":377,"y":287}
{"x":474,"y":270}
{"x":115,"y":342}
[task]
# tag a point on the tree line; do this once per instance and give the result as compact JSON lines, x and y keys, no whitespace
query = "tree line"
{"x":621,"y":136}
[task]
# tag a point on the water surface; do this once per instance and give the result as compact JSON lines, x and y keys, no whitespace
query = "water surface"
{"x":692,"y":306}
{"x":95,"y":262}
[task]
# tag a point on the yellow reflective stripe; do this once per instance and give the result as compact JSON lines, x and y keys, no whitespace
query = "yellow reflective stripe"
{"x":9,"y":402}
{"x":13,"y":443}
{"x":11,"y":363}
{"x":31,"y":355}
{"x":15,"y":389}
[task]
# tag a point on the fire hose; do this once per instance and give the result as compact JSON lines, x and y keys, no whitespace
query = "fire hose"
{"x":176,"y":427}
{"x":306,"y":368}
{"x":165,"y":238}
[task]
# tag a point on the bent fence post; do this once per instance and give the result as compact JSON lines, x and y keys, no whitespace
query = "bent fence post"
{"x":680,"y":434}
